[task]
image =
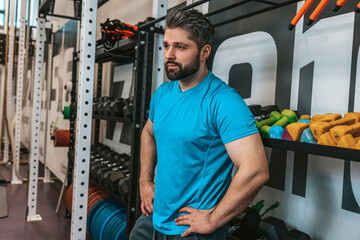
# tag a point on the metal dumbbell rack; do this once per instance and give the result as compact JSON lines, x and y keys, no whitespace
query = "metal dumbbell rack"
{"x":142,"y":49}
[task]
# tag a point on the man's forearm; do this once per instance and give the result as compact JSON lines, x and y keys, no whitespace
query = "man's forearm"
{"x":147,"y":156}
{"x":241,"y":192}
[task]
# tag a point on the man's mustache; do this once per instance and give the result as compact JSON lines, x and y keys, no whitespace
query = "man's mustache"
{"x":173,"y":63}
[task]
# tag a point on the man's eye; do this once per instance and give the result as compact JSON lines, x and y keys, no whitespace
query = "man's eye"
{"x":180,"y":47}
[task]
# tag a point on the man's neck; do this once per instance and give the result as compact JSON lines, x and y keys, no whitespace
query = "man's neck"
{"x":193,"y":80}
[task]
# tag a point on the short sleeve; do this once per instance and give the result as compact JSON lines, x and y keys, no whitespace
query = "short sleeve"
{"x":153,"y":102}
{"x":231,"y":116}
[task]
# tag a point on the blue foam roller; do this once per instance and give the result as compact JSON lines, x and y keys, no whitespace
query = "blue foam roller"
{"x":276,"y":132}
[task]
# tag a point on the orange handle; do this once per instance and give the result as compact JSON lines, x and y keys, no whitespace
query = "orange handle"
{"x":301,"y":12}
{"x":340,"y":3}
{"x":317,"y":11}
{"x":357,"y":9}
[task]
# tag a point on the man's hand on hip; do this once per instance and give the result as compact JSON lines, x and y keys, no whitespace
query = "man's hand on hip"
{"x":198,"y":220}
{"x":147,"y":197}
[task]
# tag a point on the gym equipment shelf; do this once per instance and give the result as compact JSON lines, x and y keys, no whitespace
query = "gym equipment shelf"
{"x":123,"y":51}
{"x":112,"y":119}
{"x":316,"y":149}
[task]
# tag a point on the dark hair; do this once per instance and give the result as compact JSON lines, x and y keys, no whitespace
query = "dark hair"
{"x":200,"y":28}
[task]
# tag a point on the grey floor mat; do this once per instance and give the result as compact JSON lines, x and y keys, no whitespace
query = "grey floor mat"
{"x":3,"y":203}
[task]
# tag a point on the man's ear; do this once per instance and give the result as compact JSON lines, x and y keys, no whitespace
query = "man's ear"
{"x":205,"y":52}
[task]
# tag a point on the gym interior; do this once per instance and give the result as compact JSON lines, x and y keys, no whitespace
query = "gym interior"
{"x":76,"y":80}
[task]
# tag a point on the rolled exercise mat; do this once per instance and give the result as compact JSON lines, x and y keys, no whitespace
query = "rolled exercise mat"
{"x":62,"y":138}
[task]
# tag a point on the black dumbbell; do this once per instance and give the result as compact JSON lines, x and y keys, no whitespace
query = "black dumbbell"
{"x":106,"y":106}
{"x":104,"y":151}
{"x":110,"y":155}
{"x":101,"y":149}
{"x":124,"y":159}
{"x":295,"y":234}
{"x":101,"y":170}
{"x":101,"y":107}
{"x":256,"y":111}
{"x":128,"y":108}
{"x":273,"y":228}
{"x":246,"y":224}
{"x":113,"y":180}
{"x":123,"y":185}
{"x":95,"y":145}
{"x":96,"y":102}
{"x":105,"y":175}
{"x":117,"y":107}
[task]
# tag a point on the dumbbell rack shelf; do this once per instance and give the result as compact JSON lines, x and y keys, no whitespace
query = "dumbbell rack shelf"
{"x":123,"y":51}
{"x":315,"y":149}
{"x":112,"y":119}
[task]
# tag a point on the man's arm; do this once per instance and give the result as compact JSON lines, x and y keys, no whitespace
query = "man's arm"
{"x":249,"y":157}
{"x":148,"y":162}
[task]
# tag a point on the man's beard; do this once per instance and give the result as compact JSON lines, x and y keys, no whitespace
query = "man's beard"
{"x":183,"y":71}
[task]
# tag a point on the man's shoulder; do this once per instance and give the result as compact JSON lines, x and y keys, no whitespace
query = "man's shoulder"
{"x":165,"y":86}
{"x":219,"y":89}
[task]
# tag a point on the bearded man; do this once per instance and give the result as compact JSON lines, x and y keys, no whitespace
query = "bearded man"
{"x":198,"y":129}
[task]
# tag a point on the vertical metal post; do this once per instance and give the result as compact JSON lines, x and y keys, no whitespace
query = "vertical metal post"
{"x":148,"y":70}
{"x":84,"y":119}
{"x":71,"y":152}
{"x":98,"y":95}
{"x":2,"y":92}
{"x":136,"y":133}
{"x":142,"y":94}
{"x":36,"y":119}
{"x":72,"y":121}
{"x":159,"y":10}
{"x":9,"y":77}
{"x":47,"y":173}
{"x":19,"y":93}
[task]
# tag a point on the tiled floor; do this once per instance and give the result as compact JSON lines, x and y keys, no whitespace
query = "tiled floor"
{"x":15,"y":227}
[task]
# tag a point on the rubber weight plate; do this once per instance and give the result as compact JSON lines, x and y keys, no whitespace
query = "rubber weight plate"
{"x":92,"y":212}
{"x":106,"y":221}
{"x":119,"y":222}
{"x":121,"y":230}
{"x":108,"y":229}
{"x":98,"y":211}
{"x":100,"y":216}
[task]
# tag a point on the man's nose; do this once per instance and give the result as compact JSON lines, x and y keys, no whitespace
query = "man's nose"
{"x":169,"y":53}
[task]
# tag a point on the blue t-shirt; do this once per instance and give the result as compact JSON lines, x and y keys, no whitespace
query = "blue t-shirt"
{"x":191,"y":128}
